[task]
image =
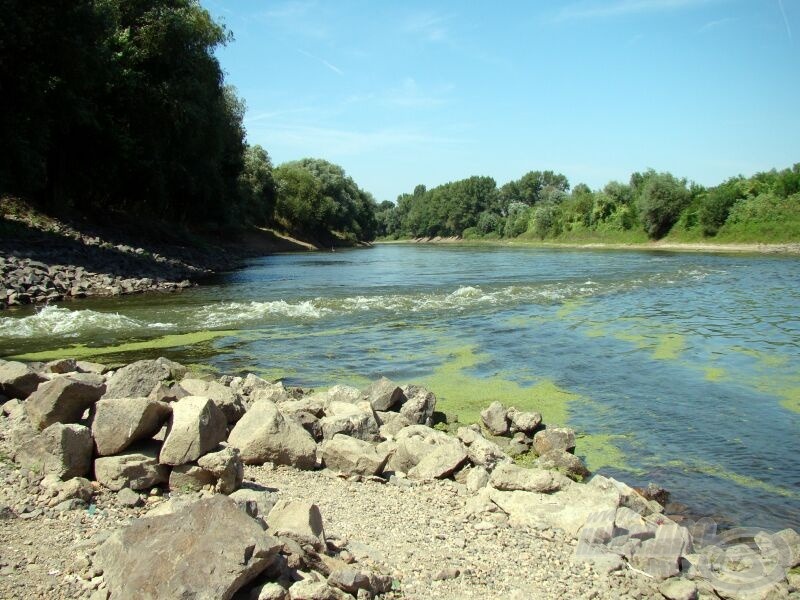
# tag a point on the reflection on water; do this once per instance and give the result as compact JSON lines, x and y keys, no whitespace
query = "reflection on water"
{"x":676,"y":368}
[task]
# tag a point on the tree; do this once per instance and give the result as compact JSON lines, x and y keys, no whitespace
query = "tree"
{"x":661,"y":201}
{"x":256,"y":187}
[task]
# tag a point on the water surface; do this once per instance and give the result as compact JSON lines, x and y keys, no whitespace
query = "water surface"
{"x":682,"y":369}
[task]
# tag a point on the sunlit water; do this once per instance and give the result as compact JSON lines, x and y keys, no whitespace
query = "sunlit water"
{"x":682,"y":369}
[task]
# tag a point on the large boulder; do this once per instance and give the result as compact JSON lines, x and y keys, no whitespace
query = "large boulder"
{"x":228,"y":401}
{"x":61,"y":449}
{"x":299,"y":520}
{"x":18,"y":380}
{"x":526,"y":422}
{"x":207,"y":551}
{"x":495,"y":417}
{"x":419,"y":406}
{"x":136,"y":468}
{"x":265,"y":435}
{"x":383,"y":394}
{"x":141,"y":377}
{"x":424,"y":453}
{"x":554,"y":438}
{"x":353,"y":456}
{"x":197,"y":427}
{"x":481,"y":451}
{"x":119,"y":422}
{"x":62,"y":400}
{"x":356,"y":420}
{"x":510,"y":477}
{"x":391,"y":423}
{"x":227,"y":468}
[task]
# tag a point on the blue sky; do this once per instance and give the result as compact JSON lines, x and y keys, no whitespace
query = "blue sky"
{"x":402,"y":93}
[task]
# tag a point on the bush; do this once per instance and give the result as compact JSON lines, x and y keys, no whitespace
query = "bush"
{"x":662,"y":199}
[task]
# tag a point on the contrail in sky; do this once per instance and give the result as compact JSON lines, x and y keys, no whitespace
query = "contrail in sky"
{"x":785,"y":19}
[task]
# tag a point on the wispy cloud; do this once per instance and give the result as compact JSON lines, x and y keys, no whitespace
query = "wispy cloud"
{"x":785,"y":20}
{"x":330,"y":66}
{"x":432,"y":27}
{"x":304,"y":139}
{"x":615,"y":8}
{"x":716,"y":23}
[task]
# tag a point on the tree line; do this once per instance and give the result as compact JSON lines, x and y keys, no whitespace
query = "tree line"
{"x":121,"y":106}
{"x":541,"y":205}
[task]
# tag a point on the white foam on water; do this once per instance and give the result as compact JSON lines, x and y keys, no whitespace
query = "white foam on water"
{"x":55,"y":320}
{"x":231,"y":313}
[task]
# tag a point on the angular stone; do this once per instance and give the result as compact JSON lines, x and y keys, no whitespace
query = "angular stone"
{"x":383,"y":394}
{"x":63,"y":450}
{"x":255,"y":502}
{"x":127,"y":497}
{"x":190,"y":477}
{"x":61,"y":366}
{"x":308,"y":589}
{"x":138,"y":379}
{"x":197,"y":426}
{"x":229,"y":402}
{"x":419,"y":406}
{"x":119,"y":422}
{"x":390,"y":423}
{"x":495,"y":417}
{"x":349,"y":580}
{"x":526,"y":422}
{"x":62,"y":400}
{"x":299,"y":520}
{"x":18,"y":380}
{"x":354,"y":419}
{"x":78,"y":488}
{"x":226,"y":466}
{"x":265,"y":435}
{"x":136,"y":468}
{"x":554,"y":438}
{"x":481,"y":451}
{"x":564,"y":462}
{"x":510,"y":477}
{"x":424,"y":453}
{"x":352,"y":456}
{"x":207,"y":551}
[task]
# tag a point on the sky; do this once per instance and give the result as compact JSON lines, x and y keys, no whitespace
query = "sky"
{"x":403,"y":93}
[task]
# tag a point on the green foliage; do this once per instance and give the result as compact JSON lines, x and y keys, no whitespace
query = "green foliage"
{"x":661,"y":199}
{"x":546,"y":220}
{"x":315,"y":196}
{"x":717,"y":204}
{"x":256,"y":187}
{"x":519,"y":215}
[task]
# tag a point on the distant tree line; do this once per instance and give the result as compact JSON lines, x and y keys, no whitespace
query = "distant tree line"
{"x":121,"y":106}
{"x":541,"y":205}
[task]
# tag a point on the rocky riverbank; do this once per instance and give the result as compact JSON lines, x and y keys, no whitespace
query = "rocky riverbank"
{"x":46,"y":259}
{"x":147,"y":481}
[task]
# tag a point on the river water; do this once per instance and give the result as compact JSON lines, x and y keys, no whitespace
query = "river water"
{"x":680,"y":369}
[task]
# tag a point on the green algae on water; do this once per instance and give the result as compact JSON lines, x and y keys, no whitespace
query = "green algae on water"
{"x":603,"y":451}
{"x":458,"y":391}
{"x":81,"y":351}
{"x":747,"y":481}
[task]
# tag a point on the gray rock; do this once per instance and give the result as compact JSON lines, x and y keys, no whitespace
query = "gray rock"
{"x":564,"y":462}
{"x":554,"y":438}
{"x":190,"y":477}
{"x":525,"y":422}
{"x":207,"y":551}
{"x":18,"y":380}
{"x":136,"y":468}
{"x":477,"y":478}
{"x":349,"y":580}
{"x":383,"y":394}
{"x":227,"y":468}
{"x":265,"y":435}
{"x":390,"y":423}
{"x":309,"y":589}
{"x":62,"y":400}
{"x":63,"y":450}
{"x":782,"y":548}
{"x":342,"y":393}
{"x":127,"y":497}
{"x":138,"y":379}
{"x":61,"y":366}
{"x":197,"y":426}
{"x":254,"y":502}
{"x":481,"y":451}
{"x":660,"y":556}
{"x":419,"y":406}
{"x":85,"y":366}
{"x":424,"y":453}
{"x":229,"y":402}
{"x":510,"y":477}
{"x":495,"y":417}
{"x":354,"y":419}
{"x":352,"y":456}
{"x":119,"y":422}
{"x":678,"y":589}
{"x":299,"y":520}
{"x":78,"y":488}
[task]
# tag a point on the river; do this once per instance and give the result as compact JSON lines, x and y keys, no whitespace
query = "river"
{"x":680,"y":369}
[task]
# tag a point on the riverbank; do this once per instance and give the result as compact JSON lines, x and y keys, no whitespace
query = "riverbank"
{"x":784,"y":248}
{"x":48,"y":259}
{"x":355,"y":489}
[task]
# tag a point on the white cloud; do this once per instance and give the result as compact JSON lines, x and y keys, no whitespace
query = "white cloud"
{"x":330,"y":66}
{"x":590,"y":10}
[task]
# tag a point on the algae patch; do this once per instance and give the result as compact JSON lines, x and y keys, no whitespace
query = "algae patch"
{"x":460,"y":391}
{"x":81,"y":351}
{"x":747,"y":481}
{"x":669,"y":346}
{"x":714,"y":373}
{"x":603,"y":451}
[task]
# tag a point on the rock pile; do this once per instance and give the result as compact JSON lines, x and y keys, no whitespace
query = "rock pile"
{"x":79,"y":430}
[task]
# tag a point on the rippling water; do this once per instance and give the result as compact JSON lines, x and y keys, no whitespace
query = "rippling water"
{"x":683,"y":369}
